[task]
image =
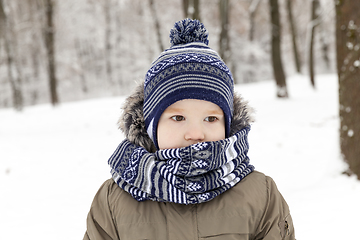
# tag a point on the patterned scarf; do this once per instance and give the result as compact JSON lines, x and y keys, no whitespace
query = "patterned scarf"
{"x":188,"y":175}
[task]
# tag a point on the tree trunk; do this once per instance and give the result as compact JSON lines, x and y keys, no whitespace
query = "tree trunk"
{"x":314,"y":23}
{"x":108,"y":47}
{"x":157,"y":24}
{"x":196,"y":14}
{"x":34,"y":9}
{"x":15,"y":83}
{"x":276,"y":50}
{"x":224,"y":41}
{"x":294,"y":36}
{"x":252,"y":9}
{"x":81,"y":55}
{"x":324,"y":46}
{"x":348,"y":63}
{"x":118,"y":48}
{"x":185,"y":5}
{"x":50,"y":48}
{"x":191,"y":9}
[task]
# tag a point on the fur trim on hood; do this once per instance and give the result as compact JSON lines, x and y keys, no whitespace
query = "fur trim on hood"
{"x":132,"y":121}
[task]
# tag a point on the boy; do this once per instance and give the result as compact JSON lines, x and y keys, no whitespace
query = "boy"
{"x":183,"y":172}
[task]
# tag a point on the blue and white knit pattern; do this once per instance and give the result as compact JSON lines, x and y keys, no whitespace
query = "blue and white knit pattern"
{"x":189,"y":175}
{"x":187,"y":70}
{"x":188,"y":30}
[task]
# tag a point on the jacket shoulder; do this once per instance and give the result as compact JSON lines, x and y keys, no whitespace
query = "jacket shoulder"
{"x":275,"y":220}
{"x":260,"y":204}
{"x":254,"y":186}
{"x":113,"y":195}
{"x":100,"y":221}
{"x":113,"y":212}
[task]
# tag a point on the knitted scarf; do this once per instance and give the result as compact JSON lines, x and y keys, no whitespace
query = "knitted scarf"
{"x":188,"y":175}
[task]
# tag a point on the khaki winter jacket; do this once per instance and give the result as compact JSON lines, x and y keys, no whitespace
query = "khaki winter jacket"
{"x":252,"y":209}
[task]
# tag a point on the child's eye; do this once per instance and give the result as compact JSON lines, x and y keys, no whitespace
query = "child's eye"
{"x":178,"y":118}
{"x":211,"y":119}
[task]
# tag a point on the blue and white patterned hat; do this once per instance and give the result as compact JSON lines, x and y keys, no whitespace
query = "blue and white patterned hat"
{"x":189,"y":69}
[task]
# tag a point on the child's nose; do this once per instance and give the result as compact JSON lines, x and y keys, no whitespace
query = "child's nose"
{"x":195,"y":133}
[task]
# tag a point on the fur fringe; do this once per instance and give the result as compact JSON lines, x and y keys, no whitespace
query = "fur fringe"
{"x":132,"y":121}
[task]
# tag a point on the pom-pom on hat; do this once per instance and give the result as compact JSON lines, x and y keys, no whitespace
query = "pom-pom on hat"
{"x":189,"y":69}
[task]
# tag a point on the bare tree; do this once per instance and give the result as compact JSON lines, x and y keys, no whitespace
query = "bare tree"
{"x":276,"y":50}
{"x":196,"y":14}
{"x":49,"y":35}
{"x":252,"y":9}
{"x":81,"y":52}
{"x":157,"y":24}
{"x":35,"y":48}
{"x":294,"y":35}
{"x":348,"y":66}
{"x":191,"y":9}
{"x":314,"y":23}
{"x":13,"y":67}
{"x":185,"y":5}
{"x":108,"y":45}
{"x":324,"y":39}
{"x":118,"y":50}
{"x":325,"y":47}
{"x":224,"y":41}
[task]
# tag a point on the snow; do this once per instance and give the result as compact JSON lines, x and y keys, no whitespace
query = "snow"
{"x":357,"y":63}
{"x":53,"y":160}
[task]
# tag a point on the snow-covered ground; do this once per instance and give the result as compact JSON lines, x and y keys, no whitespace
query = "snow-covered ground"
{"x":53,"y":160}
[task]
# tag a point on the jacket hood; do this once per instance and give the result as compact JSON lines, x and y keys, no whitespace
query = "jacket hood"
{"x":132,"y":122}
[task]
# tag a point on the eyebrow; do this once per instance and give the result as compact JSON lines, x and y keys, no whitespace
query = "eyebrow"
{"x":173,"y":110}
{"x":216,"y":112}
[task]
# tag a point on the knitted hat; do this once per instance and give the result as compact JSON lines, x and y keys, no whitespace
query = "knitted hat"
{"x":189,"y":69}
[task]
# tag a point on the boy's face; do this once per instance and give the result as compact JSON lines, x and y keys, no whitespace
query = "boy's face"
{"x":190,"y":121}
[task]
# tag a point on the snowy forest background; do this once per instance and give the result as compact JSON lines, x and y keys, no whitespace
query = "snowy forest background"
{"x":101,"y":48}
{"x":53,"y":159}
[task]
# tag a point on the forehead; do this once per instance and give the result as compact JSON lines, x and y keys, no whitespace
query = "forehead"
{"x":194,"y":105}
